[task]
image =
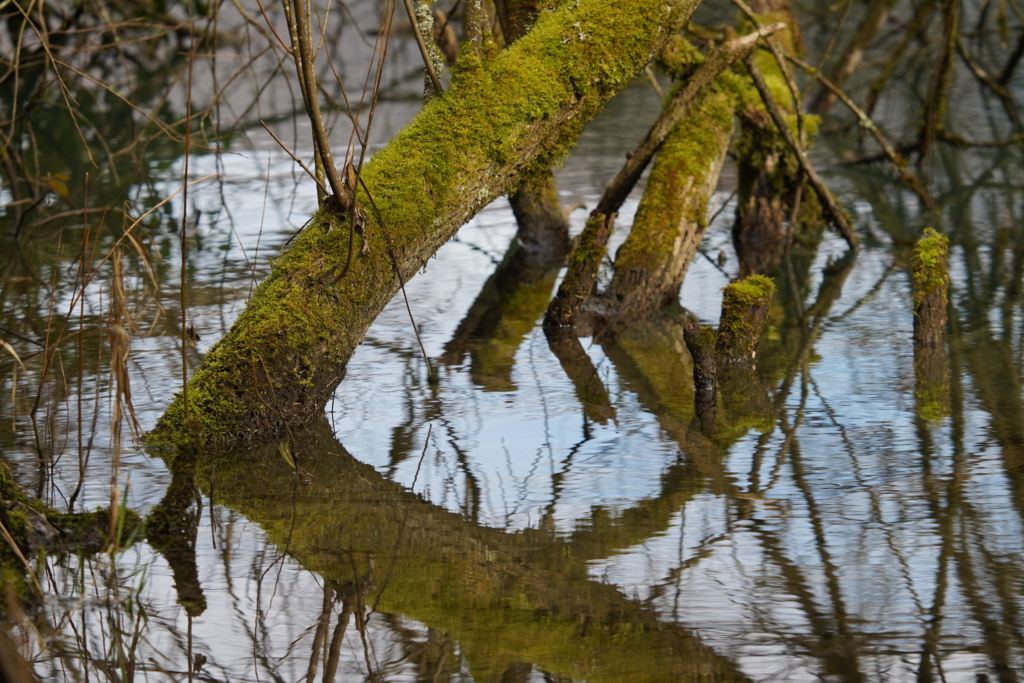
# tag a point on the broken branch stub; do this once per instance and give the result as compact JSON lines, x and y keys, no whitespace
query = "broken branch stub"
{"x":590,"y":249}
{"x":744,"y":311}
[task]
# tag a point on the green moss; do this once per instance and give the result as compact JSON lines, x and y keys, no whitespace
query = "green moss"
{"x":737,"y":300}
{"x":748,"y":291}
{"x":929,"y":266}
{"x":672,"y":214}
{"x":37,"y":528}
{"x":679,"y":58}
{"x":285,"y":355}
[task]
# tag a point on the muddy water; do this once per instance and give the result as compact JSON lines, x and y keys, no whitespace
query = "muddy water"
{"x":494,"y":525}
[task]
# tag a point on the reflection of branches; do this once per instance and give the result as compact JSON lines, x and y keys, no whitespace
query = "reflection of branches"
{"x":449,"y":572}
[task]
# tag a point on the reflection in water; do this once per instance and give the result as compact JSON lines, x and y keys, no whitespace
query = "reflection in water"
{"x":550,"y":508}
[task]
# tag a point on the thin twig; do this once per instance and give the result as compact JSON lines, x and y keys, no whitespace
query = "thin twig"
{"x":435,"y":81}
{"x":909,"y":178}
{"x":831,"y":207}
{"x":297,"y":160}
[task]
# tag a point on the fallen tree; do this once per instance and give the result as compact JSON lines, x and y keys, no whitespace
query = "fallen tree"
{"x":500,"y":119}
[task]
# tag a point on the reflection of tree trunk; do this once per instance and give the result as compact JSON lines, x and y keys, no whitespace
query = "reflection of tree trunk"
{"x":580,"y":370}
{"x":284,"y":357}
{"x":543,"y":226}
{"x":171,"y":529}
{"x":472,"y":582}
{"x":504,"y":312}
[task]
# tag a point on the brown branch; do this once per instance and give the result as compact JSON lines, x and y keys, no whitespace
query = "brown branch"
{"x":898,"y":161}
{"x":307,"y":81}
{"x":676,"y":111}
{"x":831,"y":207}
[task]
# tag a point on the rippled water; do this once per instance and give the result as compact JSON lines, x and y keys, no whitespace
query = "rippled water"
{"x":490,"y":526}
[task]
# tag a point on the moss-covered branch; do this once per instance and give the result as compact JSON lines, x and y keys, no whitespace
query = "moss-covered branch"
{"x":286,"y":354}
{"x":28,"y":527}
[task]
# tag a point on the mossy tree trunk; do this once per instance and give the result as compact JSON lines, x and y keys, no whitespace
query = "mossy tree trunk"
{"x":670,"y":221}
{"x":768,"y":171}
{"x":283,"y":359}
{"x":543,"y":225}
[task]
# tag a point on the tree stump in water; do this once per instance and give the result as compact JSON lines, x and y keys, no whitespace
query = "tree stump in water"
{"x":930,"y":276}
{"x":744,"y":309}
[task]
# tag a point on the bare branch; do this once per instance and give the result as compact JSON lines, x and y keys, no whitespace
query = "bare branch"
{"x":831,"y":207}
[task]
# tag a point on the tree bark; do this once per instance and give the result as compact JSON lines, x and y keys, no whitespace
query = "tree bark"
{"x":670,"y":221}
{"x":285,"y":356}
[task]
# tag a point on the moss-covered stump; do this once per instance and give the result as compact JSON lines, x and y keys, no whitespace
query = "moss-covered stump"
{"x":670,"y":221}
{"x":744,"y":310}
{"x":35,"y":528}
{"x":930,"y":276}
{"x":284,"y":357}
{"x":503,"y":314}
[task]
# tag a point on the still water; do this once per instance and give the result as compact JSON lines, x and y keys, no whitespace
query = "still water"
{"x":495,"y":526}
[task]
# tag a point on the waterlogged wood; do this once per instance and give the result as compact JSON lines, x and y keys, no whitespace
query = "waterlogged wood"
{"x":744,"y":311}
{"x":670,"y":221}
{"x":503,"y":597}
{"x":580,"y":278}
{"x":930,"y":276}
{"x":590,"y":248}
{"x":285,"y":356}
{"x":543,"y":226}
